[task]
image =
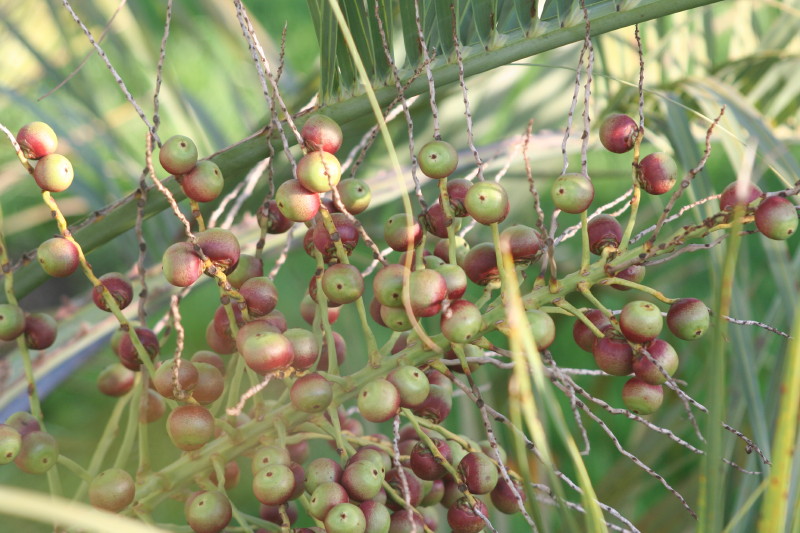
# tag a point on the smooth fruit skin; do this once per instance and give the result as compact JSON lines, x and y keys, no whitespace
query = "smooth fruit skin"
{"x":618,"y":133}
{"x":411,"y":383}
{"x":221,"y":247}
{"x":362,"y":480}
{"x":164,"y":376}
{"x":634,"y":273}
{"x":462,"y":518}
{"x":37,"y":139}
{"x":209,"y":512}
{"x":582,"y":335}
{"x":480,"y":264}
{"x":38,"y":453}
{"x":322,"y":133}
{"x":12,"y":322}
{"x":260,"y":294}
{"x":398,"y":234}
{"x":248,"y":267}
{"x":112,"y":490}
{"x":190,"y":427}
{"x":377,"y":516}
{"x":776,"y":218}
{"x":728,"y":199}
{"x":274,"y":484}
{"x":266,"y":351}
{"x":487,"y":202}
{"x":295,"y":202}
{"x":437,"y":159}
{"x":342,"y":283}
{"x":322,"y":470}
{"x":58,"y":257}
{"x":641,"y":397}
{"x":388,"y":285}
{"x":662,"y":353}
{"x":178,"y":155}
{"x":604,"y":230}
{"x":542,"y":327}
{"x":657,"y":173}
{"x":181,"y":265}
{"x":10,"y":443}
{"x":504,"y":498}
{"x":572,"y":193}
{"x":119,"y":287}
{"x":204,"y":182}
{"x":522,"y":241}
{"x":613,"y":354}
{"x":319,"y":171}
{"x":355,"y":195}
{"x":479,"y":472}
{"x":53,"y":173}
{"x":115,"y":380}
{"x":311,"y":393}
{"x":640,"y":321}
{"x":378,"y":400}
{"x":128,"y":355}
{"x":688,"y":318}
{"x":40,"y":331}
{"x":461,"y":322}
{"x":345,"y":518}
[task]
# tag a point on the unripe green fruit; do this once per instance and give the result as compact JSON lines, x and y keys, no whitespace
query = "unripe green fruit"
{"x":572,"y":193}
{"x":204,"y":182}
{"x":311,"y":393}
{"x":378,"y":400}
{"x":411,"y":383}
{"x":53,"y":173}
{"x":10,"y":443}
{"x":209,"y":512}
{"x":395,"y":318}
{"x":24,"y":422}
{"x":345,"y":518}
{"x":479,"y":472}
{"x":342,"y":283}
{"x":12,"y":321}
{"x":325,"y":497}
{"x":295,"y":202}
{"x":362,"y":480}
{"x":38,"y":453}
{"x":319,"y":171}
{"x":58,"y":257}
{"x":776,"y":218}
{"x":641,"y":397}
{"x":112,"y":490}
{"x":543,"y":328}
{"x":461,"y":322}
{"x":355,"y":195}
{"x":322,"y":470}
{"x":36,"y":140}
{"x":377,"y":516}
{"x":248,"y":267}
{"x":688,"y":318}
{"x":178,"y":155}
{"x":398,"y":234}
{"x":388,"y":285}
{"x":265,"y":456}
{"x":640,"y":321}
{"x":437,"y":159}
{"x":487,"y":202}
{"x":190,"y":427}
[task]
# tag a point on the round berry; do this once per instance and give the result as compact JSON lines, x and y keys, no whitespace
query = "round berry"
{"x":248,"y":267}
{"x":542,"y":327}
{"x":377,"y":516}
{"x":221,"y":246}
{"x":38,"y":453}
{"x":657,"y":173}
{"x":119,"y":288}
{"x":618,"y":133}
{"x":322,"y":133}
{"x":53,"y":173}
{"x":265,"y":351}
{"x":522,"y":242}
{"x":203,"y":183}
{"x":342,"y":283}
{"x":425,"y":464}
{"x":604,"y":230}
{"x":178,"y":155}
{"x":24,"y":422}
{"x":399,"y":235}
{"x":208,"y":512}
{"x":58,"y":257}
{"x":275,"y":221}
{"x":640,"y":321}
{"x":487,"y":202}
{"x":325,"y":497}
{"x":776,"y":218}
{"x":129,"y":356}
{"x":260,"y":294}
{"x":190,"y":427}
{"x":355,"y":195}
{"x":455,"y":280}
{"x":322,"y":470}
{"x":210,"y":383}
{"x":37,"y":139}
{"x":295,"y":202}
{"x":463,"y":518}
{"x":10,"y":443}
{"x":311,"y":393}
{"x":427,"y":290}
{"x":112,"y":490}
{"x":319,"y":171}
{"x":40,"y":331}
{"x":115,"y":380}
{"x":378,"y":400}
{"x":480,"y":264}
{"x":181,"y":265}
{"x":641,"y":397}
{"x":612,"y":354}
{"x":728,"y":197}
{"x":12,"y":322}
{"x":411,"y":383}
{"x":461,"y":322}
{"x":362,"y":480}
{"x":437,"y":159}
{"x":388,"y":285}
{"x":688,"y":318}
{"x":165,"y":382}
{"x":348,"y":234}
{"x":585,"y":337}
{"x":572,"y":193}
{"x":345,"y":518}
{"x":274,"y":484}
{"x":634,"y":273}
{"x":479,"y":472}
{"x":662,"y":353}
{"x":504,"y":496}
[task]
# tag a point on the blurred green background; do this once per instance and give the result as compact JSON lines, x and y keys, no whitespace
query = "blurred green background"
{"x":739,"y":53}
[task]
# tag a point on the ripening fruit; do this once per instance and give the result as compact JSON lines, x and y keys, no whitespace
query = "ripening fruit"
{"x":221,"y":246}
{"x":58,"y":257}
{"x":776,"y":218}
{"x":583,"y":336}
{"x":164,"y":378}
{"x":38,"y":453}
{"x":480,"y":264}
{"x":411,"y":383}
{"x":40,"y":331}
{"x":487,"y":202}
{"x":12,"y":322}
{"x":398,"y":234}
{"x":190,"y":427}
{"x":181,"y":265}
{"x":120,"y":289}
{"x":634,"y":273}
{"x":355,"y":195}
{"x":203,"y":183}
{"x":688,"y":319}
{"x":662,"y":353}
{"x":437,"y":159}
{"x":322,"y":470}
{"x":178,"y":155}
{"x":319,"y":171}
{"x":424,"y":463}
{"x":542,"y":327}
{"x":461,"y":322}
{"x":322,"y":133}
{"x":345,"y":518}
{"x":260,"y":294}
{"x":53,"y":173}
{"x":572,"y":193}
{"x":378,"y":400}
{"x":24,"y":422}
{"x":462,"y":518}
{"x":362,"y":479}
{"x":311,"y":393}
{"x":612,"y":354}
{"x":115,"y":380}
{"x":522,"y":241}
{"x":10,"y":443}
{"x":128,"y":355}
{"x":325,"y":497}
{"x":618,"y":133}
{"x":640,"y":321}
{"x":641,"y":397}
{"x":604,"y":230}
{"x":427,"y":290}
{"x":295,"y":202}
{"x":657,"y":173}
{"x":265,"y":351}
{"x":388,"y":285}
{"x":248,"y":267}
{"x":727,"y":198}
{"x":37,"y":140}
{"x":342,"y":283}
{"x":504,"y":499}
{"x":479,"y":472}
{"x":112,"y":490}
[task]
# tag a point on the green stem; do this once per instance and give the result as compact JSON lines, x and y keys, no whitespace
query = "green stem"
{"x":75,"y":468}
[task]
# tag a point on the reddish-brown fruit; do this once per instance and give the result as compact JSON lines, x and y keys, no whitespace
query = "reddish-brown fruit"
{"x":618,"y":133}
{"x":604,"y":230}
{"x":119,"y":287}
{"x":322,"y":133}
{"x":728,"y":199}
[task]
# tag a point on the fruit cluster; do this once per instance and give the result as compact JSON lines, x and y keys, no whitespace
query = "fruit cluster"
{"x":380,"y":484}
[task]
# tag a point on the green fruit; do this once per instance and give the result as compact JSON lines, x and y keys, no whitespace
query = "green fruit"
{"x":411,"y":383}
{"x":378,"y":400}
{"x":641,"y":397}
{"x":688,"y":318}
{"x":572,"y":193}
{"x":311,"y":393}
{"x":190,"y":427}
{"x":322,"y":470}
{"x":295,"y":202}
{"x":377,"y":516}
{"x":543,"y":328}
{"x":479,"y":472}
{"x":325,"y":497}
{"x":342,"y":283}
{"x":461,"y":322}
{"x":345,"y":518}
{"x":203,"y":183}
{"x":395,"y":318}
{"x":319,"y":171}
{"x":437,"y":159}
{"x":112,"y":490}
{"x":53,"y":173}
{"x":487,"y":202}
{"x":12,"y":322}
{"x":178,"y":155}
{"x":362,"y":480}
{"x":776,"y":218}
{"x":274,"y":484}
{"x":640,"y":321}
{"x":38,"y":453}
{"x":208,"y":512}
{"x":10,"y":443}
{"x":355,"y":195}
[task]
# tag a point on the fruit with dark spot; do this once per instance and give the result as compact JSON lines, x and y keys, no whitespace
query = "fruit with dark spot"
{"x":572,"y":193}
{"x":58,"y":257}
{"x":10,"y":443}
{"x":345,"y":518}
{"x":411,"y":383}
{"x":657,"y":173}
{"x":487,"y":202}
{"x":12,"y":321}
{"x":362,"y":480}
{"x":190,"y":427}
{"x":461,"y":322}
{"x":274,"y":484}
{"x":355,"y":195}
{"x":618,"y":133}
{"x":437,"y":159}
{"x":479,"y":472}
{"x":640,"y":321}
{"x":208,"y":512}
{"x":688,"y":318}
{"x":295,"y":202}
{"x":38,"y":453}
{"x":203,"y":183}
{"x":178,"y":155}
{"x":776,"y":218}
{"x":319,"y":171}
{"x":378,"y":400}
{"x":342,"y":283}
{"x":53,"y":173}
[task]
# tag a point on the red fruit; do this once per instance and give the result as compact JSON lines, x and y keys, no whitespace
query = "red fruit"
{"x":37,"y":140}
{"x":128,"y":355}
{"x":657,"y":173}
{"x":613,"y":354}
{"x":276,"y":222}
{"x":398,"y":234}
{"x":348,"y":234}
{"x":618,"y":133}
{"x":640,"y":321}
{"x":190,"y":427}
{"x":522,"y":241}
{"x":728,"y":197}
{"x":181,"y":265}
{"x":40,"y":331}
{"x":322,"y":133}
{"x":584,"y":337}
{"x":463,"y":518}
{"x":480,"y":264}
{"x":203,"y":183}
{"x":664,"y":354}
{"x":221,"y":247}
{"x":118,"y":286}
{"x":604,"y":230}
